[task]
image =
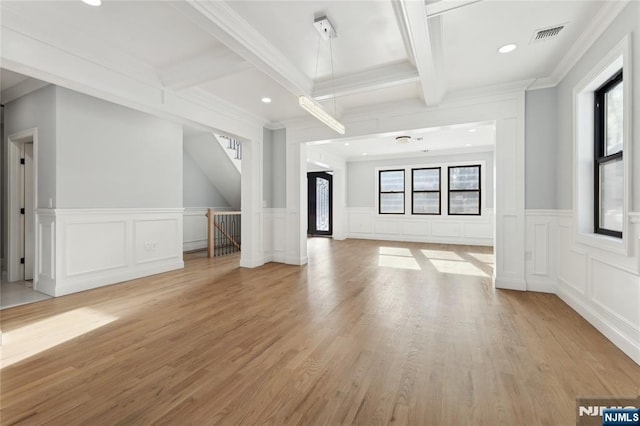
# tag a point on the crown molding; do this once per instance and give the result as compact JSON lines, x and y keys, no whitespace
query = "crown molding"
{"x":493,"y":90}
{"x":596,"y":27}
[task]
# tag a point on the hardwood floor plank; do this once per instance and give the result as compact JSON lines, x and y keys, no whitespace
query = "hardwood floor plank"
{"x":368,"y":332}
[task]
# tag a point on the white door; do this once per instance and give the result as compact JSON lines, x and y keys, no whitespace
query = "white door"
{"x":29,"y":212}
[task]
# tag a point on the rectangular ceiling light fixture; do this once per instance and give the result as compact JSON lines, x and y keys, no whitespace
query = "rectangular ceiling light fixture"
{"x":315,"y":109}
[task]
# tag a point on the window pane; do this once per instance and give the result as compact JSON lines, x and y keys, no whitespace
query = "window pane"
{"x":392,"y":181}
{"x":322,"y":204}
{"x":614,"y":120}
{"x":611,"y":194}
{"x":391,"y":203}
{"x":464,"y":202}
{"x":426,"y":180}
{"x":426,"y":202}
{"x":464,"y":177}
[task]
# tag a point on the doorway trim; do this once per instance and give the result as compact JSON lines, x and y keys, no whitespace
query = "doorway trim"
{"x":14,"y":145}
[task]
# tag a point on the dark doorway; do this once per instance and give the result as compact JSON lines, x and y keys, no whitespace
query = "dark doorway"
{"x":320,"y":208}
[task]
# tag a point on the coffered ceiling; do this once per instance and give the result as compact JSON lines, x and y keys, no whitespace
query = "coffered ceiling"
{"x":387,"y":51}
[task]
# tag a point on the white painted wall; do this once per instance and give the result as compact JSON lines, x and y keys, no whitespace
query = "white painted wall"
{"x":198,"y":190}
{"x":362,"y":175}
{"x":363,"y":220}
{"x":37,"y":109}
{"x":109,"y":156}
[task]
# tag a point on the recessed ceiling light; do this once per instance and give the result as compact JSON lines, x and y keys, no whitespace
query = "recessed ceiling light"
{"x":93,"y":2}
{"x":364,"y":153}
{"x":346,"y":144}
{"x":266,"y":100}
{"x":472,"y":130}
{"x":468,"y":144}
{"x":507,"y":48}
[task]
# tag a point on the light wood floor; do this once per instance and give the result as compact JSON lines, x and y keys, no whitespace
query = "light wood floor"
{"x":367,"y":333}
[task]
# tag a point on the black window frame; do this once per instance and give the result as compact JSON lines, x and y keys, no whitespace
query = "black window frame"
{"x":439,"y":191}
{"x":599,"y":149}
{"x":479,"y":190}
{"x":380,"y":191}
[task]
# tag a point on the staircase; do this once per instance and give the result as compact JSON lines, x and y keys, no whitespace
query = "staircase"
{"x":233,"y":149}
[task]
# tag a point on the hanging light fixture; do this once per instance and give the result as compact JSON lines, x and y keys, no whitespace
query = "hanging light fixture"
{"x":327,"y":32}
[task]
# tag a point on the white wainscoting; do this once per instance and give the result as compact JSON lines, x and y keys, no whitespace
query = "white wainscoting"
{"x":275,"y":221}
{"x":195,"y":227}
{"x":602,"y":286}
{"x":366,"y":223}
{"x":81,"y":249}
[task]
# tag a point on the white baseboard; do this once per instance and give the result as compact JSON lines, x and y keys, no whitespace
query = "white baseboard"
{"x":297,"y":260}
{"x":611,"y":332}
{"x":194,"y":245}
{"x":118,"y":277}
{"x":509,"y":284}
{"x":542,"y":286}
{"x":250,"y":263}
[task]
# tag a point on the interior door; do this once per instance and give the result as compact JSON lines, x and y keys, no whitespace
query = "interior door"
{"x":320,"y":199}
{"x":29,"y":212}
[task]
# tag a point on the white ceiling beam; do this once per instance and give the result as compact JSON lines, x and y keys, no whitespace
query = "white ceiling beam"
{"x":425,"y":49}
{"x":366,"y":81}
{"x":443,"y":6}
{"x":222,"y":22}
{"x":203,"y":68}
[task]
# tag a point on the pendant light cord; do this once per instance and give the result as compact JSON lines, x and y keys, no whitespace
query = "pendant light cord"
{"x":333,"y":83}
{"x":315,"y":78}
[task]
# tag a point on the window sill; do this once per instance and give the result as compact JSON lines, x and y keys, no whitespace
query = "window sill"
{"x":604,"y":242}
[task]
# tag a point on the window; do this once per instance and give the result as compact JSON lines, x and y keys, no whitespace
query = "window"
{"x":425,"y":186}
{"x":391,"y":192}
{"x":464,"y":190}
{"x":608,"y":185}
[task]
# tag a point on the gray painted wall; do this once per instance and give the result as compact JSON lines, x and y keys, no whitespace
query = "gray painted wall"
{"x":267,"y":168}
{"x":540,"y":149}
{"x":361,"y":175}
{"x":279,"y":176}
{"x":628,"y":21}
{"x":198,"y":191}
{"x":110,"y":156}
{"x":37,"y":109}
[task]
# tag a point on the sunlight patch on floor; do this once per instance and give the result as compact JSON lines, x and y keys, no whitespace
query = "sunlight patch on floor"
{"x":457,"y":267}
{"x":483,"y":257}
{"x":32,"y":339}
{"x":441,"y":254}
{"x":397,"y":257}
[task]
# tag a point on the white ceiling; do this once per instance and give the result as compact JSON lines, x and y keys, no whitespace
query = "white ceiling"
{"x":368,"y":35}
{"x":387,"y":51}
{"x":430,"y":141}
{"x":473,"y":34}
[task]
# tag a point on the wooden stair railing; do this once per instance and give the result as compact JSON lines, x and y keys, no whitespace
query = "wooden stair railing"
{"x":223,"y":236}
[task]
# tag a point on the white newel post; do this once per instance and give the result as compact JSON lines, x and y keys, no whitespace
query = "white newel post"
{"x":296,"y":218}
{"x":252,"y":254}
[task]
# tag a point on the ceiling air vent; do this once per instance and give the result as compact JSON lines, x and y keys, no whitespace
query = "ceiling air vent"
{"x":545,"y":34}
